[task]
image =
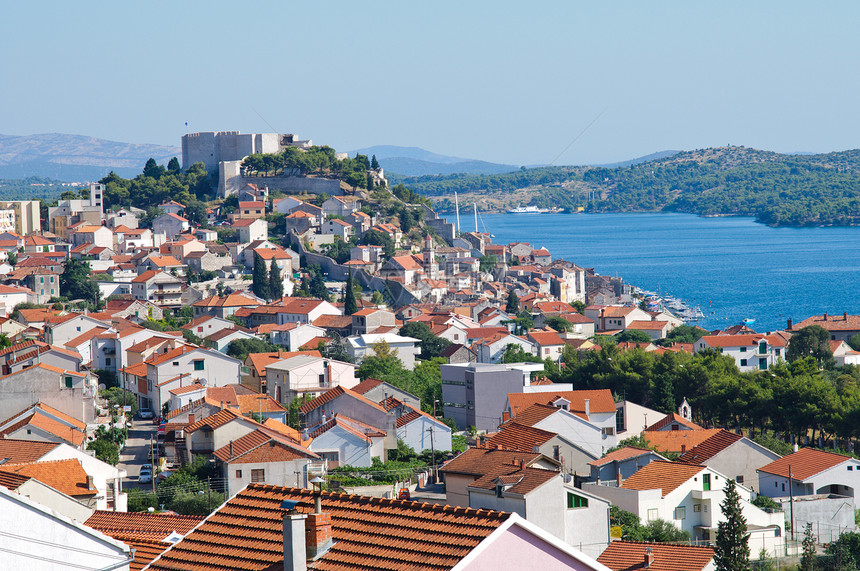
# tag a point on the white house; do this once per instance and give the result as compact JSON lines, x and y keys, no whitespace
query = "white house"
{"x":250,"y":229}
{"x":751,"y":351}
{"x":812,"y":472}
{"x":304,"y":374}
{"x":361,"y":346}
{"x":37,"y":537}
{"x":343,"y":440}
{"x":491,"y":349}
{"x":171,"y":225}
{"x":689,"y":497}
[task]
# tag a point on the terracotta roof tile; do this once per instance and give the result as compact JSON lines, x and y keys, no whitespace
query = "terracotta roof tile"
{"x":479,"y":461}
{"x":805,"y":463}
{"x":515,"y":436}
{"x":332,"y":394}
{"x":162,"y":524}
{"x":709,"y":448}
{"x":600,"y":401}
{"x":260,"y":446}
{"x":630,"y":556}
{"x":66,"y":476}
{"x":620,"y":454}
{"x":677,"y":440}
{"x":665,"y":476}
{"x":24,"y":451}
{"x":369,"y":533}
{"x":669,"y":419}
{"x":523,"y":480}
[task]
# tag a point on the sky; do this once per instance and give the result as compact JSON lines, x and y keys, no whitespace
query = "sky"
{"x":519,"y":83}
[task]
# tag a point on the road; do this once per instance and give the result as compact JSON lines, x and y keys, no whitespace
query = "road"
{"x":136,"y":451}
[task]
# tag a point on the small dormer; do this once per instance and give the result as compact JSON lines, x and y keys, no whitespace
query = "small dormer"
{"x":560,"y":402}
{"x":504,"y":483}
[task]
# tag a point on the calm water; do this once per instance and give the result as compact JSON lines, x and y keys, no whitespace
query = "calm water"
{"x":732,"y":267}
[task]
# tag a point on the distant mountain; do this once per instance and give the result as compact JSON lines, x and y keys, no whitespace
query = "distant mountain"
{"x":74,"y":158}
{"x":415,"y":161}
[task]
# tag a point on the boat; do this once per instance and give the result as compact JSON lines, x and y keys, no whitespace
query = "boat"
{"x":528,"y":210}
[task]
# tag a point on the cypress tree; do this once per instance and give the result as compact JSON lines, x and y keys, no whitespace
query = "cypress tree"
{"x":807,"y":561}
{"x":260,"y":284}
{"x":349,"y":304}
{"x":276,"y":283}
{"x":732,"y":548}
{"x":513,"y":306}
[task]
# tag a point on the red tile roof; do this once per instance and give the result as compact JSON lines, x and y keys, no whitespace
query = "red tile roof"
{"x":677,"y":440}
{"x":24,"y":451}
{"x":331,"y":394}
{"x":66,"y":476}
{"x":261,"y":446}
{"x":669,"y":419}
{"x":842,"y":322}
{"x":156,"y":524}
{"x":748,"y":340}
{"x":630,"y":556}
{"x":620,"y":454}
{"x":515,"y":436}
{"x":665,"y":476}
{"x":479,"y":461}
{"x":523,"y":480}
{"x":600,"y":400}
{"x":369,"y":533}
{"x":805,"y":463}
{"x":709,"y":448}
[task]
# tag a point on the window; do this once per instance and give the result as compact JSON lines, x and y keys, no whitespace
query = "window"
{"x":652,"y":514}
{"x":743,"y":362}
{"x":78,"y":329}
{"x":576,"y":501}
{"x":762,"y":364}
{"x":175,"y":363}
{"x":681,"y":512}
{"x":322,"y":380}
{"x":607,"y":431}
{"x":706,"y":482}
{"x":739,"y":479}
{"x":68,"y":382}
{"x":743,"y":349}
{"x":258,"y":475}
{"x":762,"y":347}
{"x":697,"y":508}
{"x":238,"y":473}
{"x":500,"y":490}
{"x":107,"y":362}
{"x":198,"y":365}
{"x":850,"y":468}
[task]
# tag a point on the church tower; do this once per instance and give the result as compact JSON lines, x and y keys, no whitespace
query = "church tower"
{"x":431,"y":268}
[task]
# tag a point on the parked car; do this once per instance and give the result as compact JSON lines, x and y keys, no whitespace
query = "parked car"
{"x":145,"y":475}
{"x":403,"y":494}
{"x":145,"y":414}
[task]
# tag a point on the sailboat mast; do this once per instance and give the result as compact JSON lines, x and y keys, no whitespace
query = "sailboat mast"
{"x":457,"y":206}
{"x":475,"y":207}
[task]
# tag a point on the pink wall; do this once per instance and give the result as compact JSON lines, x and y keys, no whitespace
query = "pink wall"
{"x":516,"y":548}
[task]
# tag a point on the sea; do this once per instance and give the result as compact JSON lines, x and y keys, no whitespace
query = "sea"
{"x":731,"y":267}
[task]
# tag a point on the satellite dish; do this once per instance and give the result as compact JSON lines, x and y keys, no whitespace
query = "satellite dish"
{"x":102,"y":386}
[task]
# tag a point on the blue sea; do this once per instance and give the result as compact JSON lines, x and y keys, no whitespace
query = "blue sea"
{"x":731,"y":267}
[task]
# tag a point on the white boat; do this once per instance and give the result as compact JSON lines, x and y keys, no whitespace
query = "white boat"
{"x":527,"y":210}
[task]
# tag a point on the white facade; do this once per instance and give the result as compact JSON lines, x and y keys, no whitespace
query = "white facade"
{"x":37,"y":538}
{"x":107,"y":479}
{"x":287,"y":379}
{"x":210,"y":368}
{"x":694,"y":506}
{"x":339,"y":447}
{"x":424,"y":433}
{"x":361,"y":346}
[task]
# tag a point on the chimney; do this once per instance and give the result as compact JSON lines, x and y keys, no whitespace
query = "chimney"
{"x":191,"y":418}
{"x":295,"y":552}
{"x":587,"y":407}
{"x":90,"y":483}
{"x":825,"y":317}
{"x":649,"y":557}
{"x":391,"y":430}
{"x":318,"y":537}
{"x":231,"y":450}
{"x":683,"y":448}
{"x":788,"y":326}
{"x":618,"y":476}
{"x":845,"y":316}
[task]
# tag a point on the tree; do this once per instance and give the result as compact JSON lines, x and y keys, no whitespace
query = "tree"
{"x":558,"y":323}
{"x":260,"y":284}
{"x":811,"y":341}
{"x":732,"y":551}
{"x":374,"y":164}
{"x":173,"y":166}
{"x":317,"y":285}
{"x":383,"y":363}
{"x":853,"y":342}
{"x":240,"y":348}
{"x":633,"y":336}
{"x":152,"y":169}
{"x":431,"y":345}
{"x":513,"y":305}
{"x":349,"y":304}
{"x":807,"y":561}
{"x":276,"y":283}
{"x":76,"y":282}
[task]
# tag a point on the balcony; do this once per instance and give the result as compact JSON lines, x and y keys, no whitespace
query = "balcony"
{"x":707,"y":495}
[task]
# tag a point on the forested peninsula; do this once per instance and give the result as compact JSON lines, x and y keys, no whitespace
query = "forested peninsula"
{"x":777,"y":189}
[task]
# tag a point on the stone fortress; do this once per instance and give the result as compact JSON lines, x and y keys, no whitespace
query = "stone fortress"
{"x":223,"y":151}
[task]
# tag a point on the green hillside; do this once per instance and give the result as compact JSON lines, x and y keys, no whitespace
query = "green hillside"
{"x":779,"y":190}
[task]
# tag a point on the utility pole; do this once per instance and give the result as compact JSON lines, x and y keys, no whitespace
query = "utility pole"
{"x":152,"y":461}
{"x":791,"y":503}
{"x":209,"y":493}
{"x":431,"y":430}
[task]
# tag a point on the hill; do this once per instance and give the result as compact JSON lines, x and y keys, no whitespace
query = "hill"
{"x":777,"y":189}
{"x":75,"y":157}
{"x":415,"y":161}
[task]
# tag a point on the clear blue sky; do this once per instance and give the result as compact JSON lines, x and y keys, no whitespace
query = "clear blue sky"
{"x":511,"y":82}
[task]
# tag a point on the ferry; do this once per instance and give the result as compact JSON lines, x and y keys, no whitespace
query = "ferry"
{"x":528,"y":210}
